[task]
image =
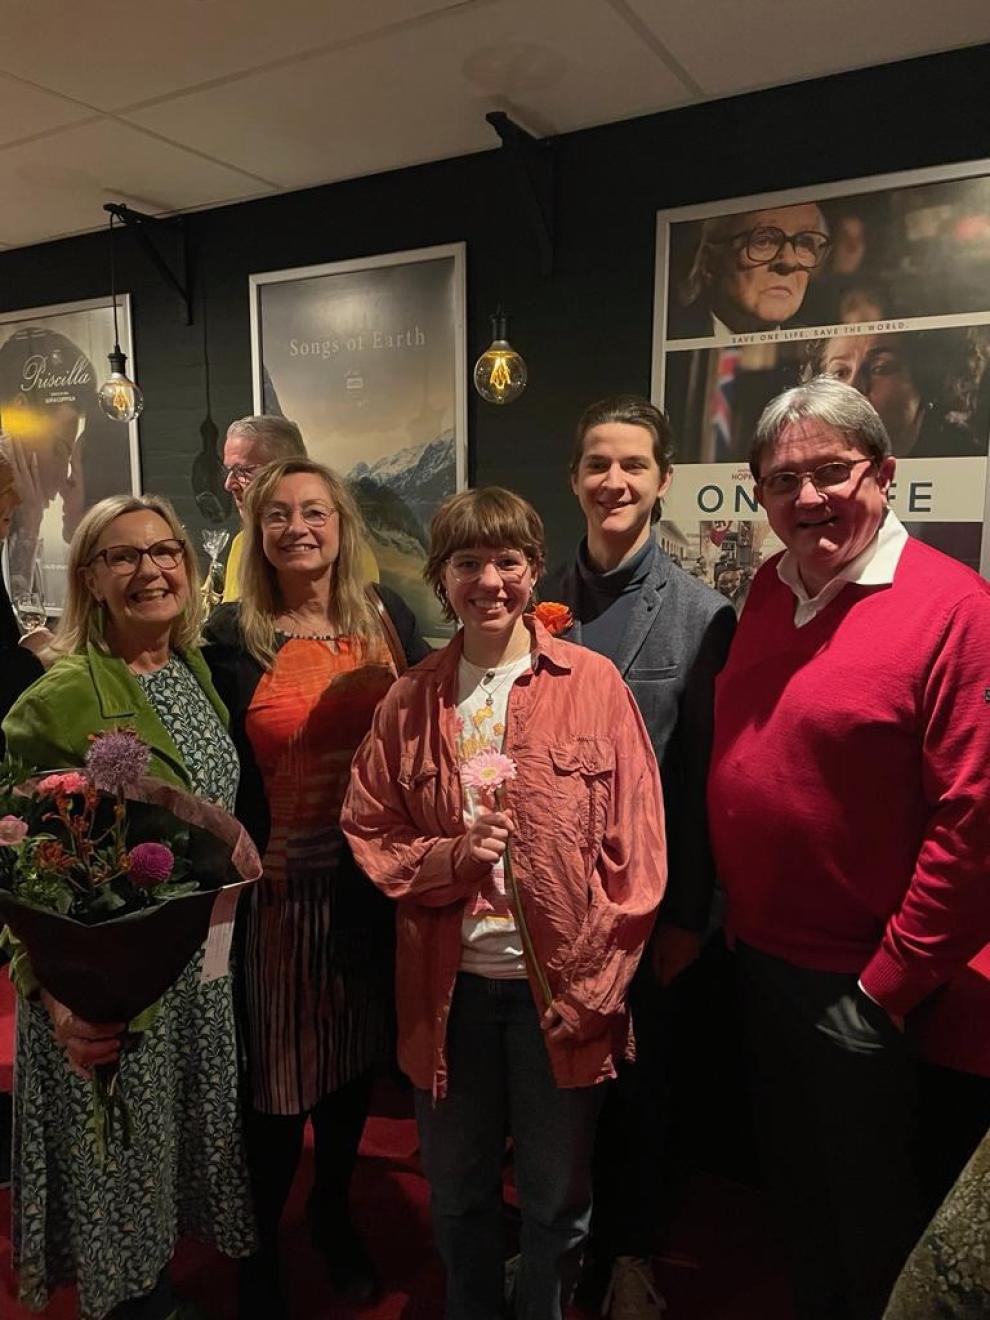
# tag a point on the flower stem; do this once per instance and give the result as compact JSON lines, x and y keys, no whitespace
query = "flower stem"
{"x":517,"y":908}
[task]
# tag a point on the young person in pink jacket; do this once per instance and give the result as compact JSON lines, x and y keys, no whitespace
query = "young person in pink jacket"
{"x":522,"y":912}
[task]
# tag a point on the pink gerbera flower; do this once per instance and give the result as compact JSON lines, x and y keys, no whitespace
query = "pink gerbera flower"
{"x":487,"y":771}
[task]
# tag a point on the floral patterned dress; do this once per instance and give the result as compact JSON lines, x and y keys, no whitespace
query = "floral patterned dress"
{"x":111,"y":1229}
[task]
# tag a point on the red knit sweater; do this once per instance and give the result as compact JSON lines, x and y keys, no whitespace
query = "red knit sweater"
{"x":849,"y":797}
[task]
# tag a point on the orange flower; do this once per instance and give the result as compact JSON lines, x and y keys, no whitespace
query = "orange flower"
{"x":556,"y":618}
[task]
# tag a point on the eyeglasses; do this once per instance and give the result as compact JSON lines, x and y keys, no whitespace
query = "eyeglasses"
{"x":510,"y":566}
{"x":124,"y":559}
{"x":242,"y":473}
{"x":765,"y":243}
{"x":277,"y":518}
{"x":827,"y":477}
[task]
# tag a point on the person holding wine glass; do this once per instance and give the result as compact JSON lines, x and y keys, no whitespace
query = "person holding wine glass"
{"x":521,"y":914}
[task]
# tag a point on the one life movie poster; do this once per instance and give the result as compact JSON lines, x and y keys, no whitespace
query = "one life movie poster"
{"x":883,"y":283}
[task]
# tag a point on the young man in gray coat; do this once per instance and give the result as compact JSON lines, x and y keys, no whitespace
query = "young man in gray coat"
{"x":668,"y":635}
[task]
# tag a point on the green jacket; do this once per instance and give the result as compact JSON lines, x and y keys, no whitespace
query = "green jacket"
{"x":49,"y":725}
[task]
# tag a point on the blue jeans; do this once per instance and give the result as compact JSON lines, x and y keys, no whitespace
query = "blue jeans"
{"x":500,"y":1082}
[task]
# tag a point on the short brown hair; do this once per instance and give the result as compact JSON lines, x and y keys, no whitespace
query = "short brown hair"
{"x":633,"y":410}
{"x":490,"y":516}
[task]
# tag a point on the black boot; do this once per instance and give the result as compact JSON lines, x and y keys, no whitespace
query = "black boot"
{"x":259,"y":1287}
{"x":350,"y":1269}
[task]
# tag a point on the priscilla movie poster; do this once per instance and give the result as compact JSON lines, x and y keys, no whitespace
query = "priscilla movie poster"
{"x":368,"y":358}
{"x":884,"y":283}
{"x":67,"y":454}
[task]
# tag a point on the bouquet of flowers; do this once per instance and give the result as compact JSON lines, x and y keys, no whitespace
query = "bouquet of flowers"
{"x":108,"y":879}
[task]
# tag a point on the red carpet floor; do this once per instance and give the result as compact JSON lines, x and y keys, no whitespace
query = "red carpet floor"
{"x":721,"y":1263}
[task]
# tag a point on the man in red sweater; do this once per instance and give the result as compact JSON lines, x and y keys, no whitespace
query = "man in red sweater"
{"x":849,"y":807}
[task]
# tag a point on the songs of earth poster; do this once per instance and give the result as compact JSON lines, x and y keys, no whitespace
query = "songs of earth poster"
{"x":884,"y":283}
{"x":368,"y":357}
{"x":68,"y":454}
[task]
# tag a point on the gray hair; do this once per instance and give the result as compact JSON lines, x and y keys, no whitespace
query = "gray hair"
{"x":280,"y":438}
{"x":714,"y":232}
{"x":830,"y":401}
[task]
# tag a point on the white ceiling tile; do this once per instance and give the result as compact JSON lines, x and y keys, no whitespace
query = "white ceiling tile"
{"x":422,"y":94}
{"x":62,"y":189}
{"x":25,"y":111}
{"x":733,"y":46}
{"x":110,"y":54}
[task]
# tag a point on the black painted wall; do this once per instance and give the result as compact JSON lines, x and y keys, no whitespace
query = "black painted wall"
{"x":586,"y":330}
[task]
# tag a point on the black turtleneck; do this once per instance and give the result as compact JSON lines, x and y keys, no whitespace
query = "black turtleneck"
{"x":607,"y":599}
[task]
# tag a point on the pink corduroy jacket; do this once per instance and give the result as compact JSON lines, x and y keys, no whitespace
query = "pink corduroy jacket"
{"x":588,"y":850}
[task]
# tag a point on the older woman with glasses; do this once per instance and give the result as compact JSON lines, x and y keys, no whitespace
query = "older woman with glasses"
{"x":302,"y":661}
{"x":512,"y":978}
{"x":127,"y":638}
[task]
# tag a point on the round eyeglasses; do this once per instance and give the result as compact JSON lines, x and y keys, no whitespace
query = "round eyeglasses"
{"x":829,"y":476}
{"x":468,"y":568}
{"x":765,"y":243}
{"x":124,"y":559}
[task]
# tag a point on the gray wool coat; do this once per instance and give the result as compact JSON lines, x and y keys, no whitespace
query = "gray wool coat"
{"x":675,"y":644}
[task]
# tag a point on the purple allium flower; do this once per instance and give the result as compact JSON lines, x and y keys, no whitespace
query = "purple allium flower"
{"x":150,"y":864}
{"x":117,"y":759}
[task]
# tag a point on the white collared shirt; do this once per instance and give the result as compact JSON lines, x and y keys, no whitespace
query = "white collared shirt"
{"x":874,"y":566}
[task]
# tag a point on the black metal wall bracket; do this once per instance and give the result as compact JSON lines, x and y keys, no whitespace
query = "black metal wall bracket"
{"x":531,"y":160}
{"x":143,"y":226}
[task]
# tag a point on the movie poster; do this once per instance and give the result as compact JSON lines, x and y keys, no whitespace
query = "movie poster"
{"x":884,"y":283}
{"x":368,"y":357}
{"x":66,"y":453}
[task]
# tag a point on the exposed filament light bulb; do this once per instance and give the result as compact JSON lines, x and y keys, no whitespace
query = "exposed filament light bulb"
{"x":500,"y":372}
{"x":119,"y":397}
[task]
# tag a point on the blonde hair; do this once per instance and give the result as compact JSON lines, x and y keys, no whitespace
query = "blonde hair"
{"x":81,"y":616}
{"x":350,"y":612}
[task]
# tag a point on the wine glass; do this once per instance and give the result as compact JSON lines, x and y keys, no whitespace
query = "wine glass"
{"x":29,"y":606}
{"x":214,"y":543}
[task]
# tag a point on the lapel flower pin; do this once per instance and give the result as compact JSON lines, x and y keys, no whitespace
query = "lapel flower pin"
{"x":554,"y":616}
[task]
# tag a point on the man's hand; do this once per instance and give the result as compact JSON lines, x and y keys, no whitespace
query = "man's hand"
{"x":485,"y":842}
{"x":673,"y":950}
{"x":86,"y":1044}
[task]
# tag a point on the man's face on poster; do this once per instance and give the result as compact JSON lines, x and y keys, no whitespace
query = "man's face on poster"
{"x":758,"y":275}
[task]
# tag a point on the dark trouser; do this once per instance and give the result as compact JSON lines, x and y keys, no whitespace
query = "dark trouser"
{"x":158,"y":1304}
{"x":630,"y":1166}
{"x":834,"y":1092}
{"x":500,"y":1082}
{"x":955,"y":1115}
{"x":274,"y":1145}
